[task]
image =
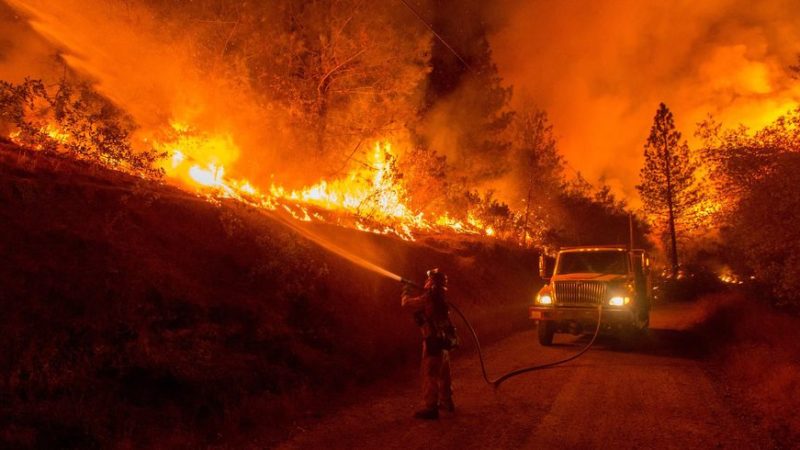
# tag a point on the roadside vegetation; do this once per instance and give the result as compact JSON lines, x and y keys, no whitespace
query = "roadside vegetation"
{"x":136,"y":314}
{"x":730,"y":204}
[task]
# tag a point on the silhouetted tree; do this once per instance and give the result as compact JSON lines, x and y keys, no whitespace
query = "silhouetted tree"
{"x":467,"y":111}
{"x":536,"y":172}
{"x":73,"y":118}
{"x":425,"y":177}
{"x":762,"y":235}
{"x":755,"y":179}
{"x":738,"y":158}
{"x":587,"y":217}
{"x":344,"y":70}
{"x":667,"y":180}
{"x":339,"y":72}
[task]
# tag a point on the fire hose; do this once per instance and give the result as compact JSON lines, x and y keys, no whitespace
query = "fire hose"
{"x":344,"y":253}
{"x":496,"y":382}
{"x":513,"y":373}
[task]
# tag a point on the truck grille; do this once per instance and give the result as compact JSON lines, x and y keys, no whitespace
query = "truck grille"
{"x":580,"y":293}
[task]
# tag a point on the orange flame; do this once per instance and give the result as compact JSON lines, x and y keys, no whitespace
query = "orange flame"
{"x":371,"y":195}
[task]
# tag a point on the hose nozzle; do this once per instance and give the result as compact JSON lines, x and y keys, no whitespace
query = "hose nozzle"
{"x":410,"y":283}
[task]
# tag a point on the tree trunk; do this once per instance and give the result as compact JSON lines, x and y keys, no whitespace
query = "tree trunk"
{"x":527,"y":210}
{"x":670,"y":206}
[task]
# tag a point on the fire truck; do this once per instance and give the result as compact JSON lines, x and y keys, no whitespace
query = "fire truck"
{"x":615,"y":278}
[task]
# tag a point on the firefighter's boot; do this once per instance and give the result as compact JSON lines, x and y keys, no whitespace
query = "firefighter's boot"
{"x":427,"y":414}
{"x":447,"y":405}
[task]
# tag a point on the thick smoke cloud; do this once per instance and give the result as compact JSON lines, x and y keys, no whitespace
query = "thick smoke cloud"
{"x":274,"y":87}
{"x":600,"y":69}
{"x":143,"y":65}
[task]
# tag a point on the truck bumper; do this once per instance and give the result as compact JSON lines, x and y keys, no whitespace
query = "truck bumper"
{"x":567,"y":318}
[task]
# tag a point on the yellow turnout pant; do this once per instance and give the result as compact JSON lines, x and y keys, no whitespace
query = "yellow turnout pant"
{"x":436,"y":382}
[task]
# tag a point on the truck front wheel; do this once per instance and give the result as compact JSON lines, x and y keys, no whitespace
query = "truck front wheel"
{"x":546,"y":329}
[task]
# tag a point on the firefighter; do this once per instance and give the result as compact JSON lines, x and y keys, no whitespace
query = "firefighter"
{"x":432,"y":315}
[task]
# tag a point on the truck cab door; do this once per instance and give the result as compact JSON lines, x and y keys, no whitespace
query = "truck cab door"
{"x":641,"y":272}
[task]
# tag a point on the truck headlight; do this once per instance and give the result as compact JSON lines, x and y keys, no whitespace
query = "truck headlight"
{"x":544,"y":299}
{"x":619,"y":300}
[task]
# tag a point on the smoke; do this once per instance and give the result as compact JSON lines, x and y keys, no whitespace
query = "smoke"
{"x":149,"y":70}
{"x":601,"y":68}
{"x":22,"y":52}
{"x":278,"y":88}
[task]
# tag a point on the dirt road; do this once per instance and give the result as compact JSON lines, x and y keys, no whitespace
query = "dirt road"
{"x":659,"y":396}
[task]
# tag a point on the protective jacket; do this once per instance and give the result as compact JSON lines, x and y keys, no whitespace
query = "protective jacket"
{"x":433,"y":319}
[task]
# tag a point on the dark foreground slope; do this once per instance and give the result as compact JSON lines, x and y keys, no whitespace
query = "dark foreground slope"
{"x":137,"y":314}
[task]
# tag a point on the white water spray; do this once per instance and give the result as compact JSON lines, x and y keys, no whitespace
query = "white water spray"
{"x":333,"y":248}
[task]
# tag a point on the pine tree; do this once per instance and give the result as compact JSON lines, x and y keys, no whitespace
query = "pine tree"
{"x":667,"y":181}
{"x":537,"y":169}
{"x":468,"y":114}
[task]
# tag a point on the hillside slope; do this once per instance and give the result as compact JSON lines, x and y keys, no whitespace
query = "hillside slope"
{"x":135,"y":313}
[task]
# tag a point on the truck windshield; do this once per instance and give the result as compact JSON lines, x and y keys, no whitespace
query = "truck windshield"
{"x":592,"y":262}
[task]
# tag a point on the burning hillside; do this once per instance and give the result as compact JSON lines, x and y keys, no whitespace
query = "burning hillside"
{"x":373,"y":195}
{"x":137,"y":313}
{"x":370,"y":198}
{"x":331,"y":114}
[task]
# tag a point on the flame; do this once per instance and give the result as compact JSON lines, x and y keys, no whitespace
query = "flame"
{"x":55,"y":133}
{"x":370,"y":197}
{"x":195,"y":157}
{"x":730,"y":278}
{"x":51,"y":131}
{"x":373,"y":190}
{"x":210,"y":177}
{"x":177,"y":158}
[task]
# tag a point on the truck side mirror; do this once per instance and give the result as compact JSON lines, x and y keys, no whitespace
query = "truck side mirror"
{"x":545,"y":267}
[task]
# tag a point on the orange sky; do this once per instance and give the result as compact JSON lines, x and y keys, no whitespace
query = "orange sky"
{"x":601,"y":68}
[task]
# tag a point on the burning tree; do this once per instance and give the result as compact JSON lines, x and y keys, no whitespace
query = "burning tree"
{"x":72,"y":117}
{"x":337,"y":108}
{"x":344,"y":70}
{"x":667,"y":186}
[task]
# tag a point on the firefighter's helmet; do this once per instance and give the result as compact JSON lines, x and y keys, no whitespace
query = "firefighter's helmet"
{"x":437,"y":278}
